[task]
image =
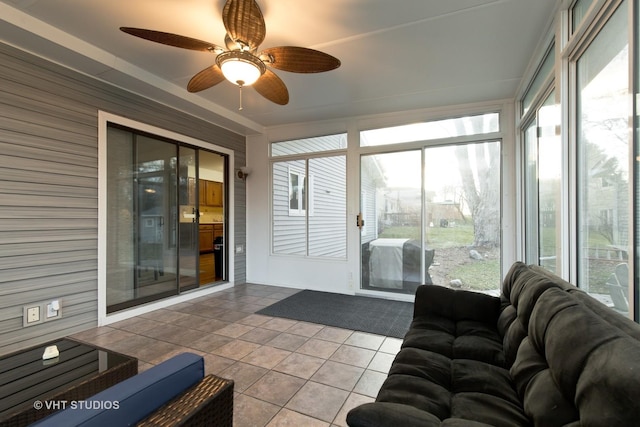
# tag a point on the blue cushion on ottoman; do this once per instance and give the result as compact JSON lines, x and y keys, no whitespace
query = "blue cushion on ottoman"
{"x":135,"y":398}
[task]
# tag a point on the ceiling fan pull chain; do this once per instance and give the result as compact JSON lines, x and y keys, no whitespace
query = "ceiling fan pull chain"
{"x":240,"y":109}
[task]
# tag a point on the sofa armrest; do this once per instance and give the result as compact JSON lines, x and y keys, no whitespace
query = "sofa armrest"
{"x":210,"y":402}
{"x":456,"y":304}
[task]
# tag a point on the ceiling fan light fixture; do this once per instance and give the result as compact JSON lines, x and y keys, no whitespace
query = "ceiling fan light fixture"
{"x":240,"y":67}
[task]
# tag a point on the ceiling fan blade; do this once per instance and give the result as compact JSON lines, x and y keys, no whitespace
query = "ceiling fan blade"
{"x":205,"y":79}
{"x":171,"y":39}
{"x":299,"y":59}
{"x":271,"y":87}
{"x":244,"y":22}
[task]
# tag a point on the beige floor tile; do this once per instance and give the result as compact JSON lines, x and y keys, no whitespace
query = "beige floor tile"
{"x":318,"y":348}
{"x":364,"y":340}
{"x":338,"y":375}
{"x":216,"y":364}
{"x":391,"y":345}
{"x":110,"y":338}
{"x":234,"y":330}
{"x":251,"y":412}
{"x":318,"y":401}
{"x":275,"y":387}
{"x":164,"y":315}
{"x":266,"y":356}
{"x":330,"y":333}
{"x":236,"y":349}
{"x":255,"y":320}
{"x":352,"y":401}
{"x":150,"y":351}
{"x":305,"y":329}
{"x":260,"y":335}
{"x":174,"y":334}
{"x":232,"y":316}
{"x":381,"y":362}
{"x":353,"y":356}
{"x":288,"y":418}
{"x":279,"y":324}
{"x":127,"y":346}
{"x":300,"y":365}
{"x":243,"y":375}
{"x":249,"y":299}
{"x":136,"y":325}
{"x":287,"y":341}
{"x":370,"y":383}
{"x":210,"y":342}
{"x":91,"y":335}
{"x":249,"y":308}
{"x":207,"y":325}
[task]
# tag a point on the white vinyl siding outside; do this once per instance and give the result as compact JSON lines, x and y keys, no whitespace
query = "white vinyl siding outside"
{"x":309,"y":205}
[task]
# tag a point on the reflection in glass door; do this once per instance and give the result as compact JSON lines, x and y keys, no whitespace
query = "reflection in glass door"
{"x":188,"y":220}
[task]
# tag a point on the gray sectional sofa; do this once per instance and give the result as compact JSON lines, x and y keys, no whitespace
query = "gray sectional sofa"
{"x":544,"y":353}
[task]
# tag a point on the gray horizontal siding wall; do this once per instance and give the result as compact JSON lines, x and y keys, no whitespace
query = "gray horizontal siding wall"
{"x":327,"y":218}
{"x":49,"y":189}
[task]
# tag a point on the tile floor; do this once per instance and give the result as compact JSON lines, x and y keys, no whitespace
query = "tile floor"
{"x":286,"y":373}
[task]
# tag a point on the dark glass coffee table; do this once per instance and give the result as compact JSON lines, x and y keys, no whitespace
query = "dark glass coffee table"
{"x":32,"y":388}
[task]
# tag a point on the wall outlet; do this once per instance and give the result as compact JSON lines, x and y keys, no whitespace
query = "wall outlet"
{"x":53,"y":309}
{"x":240,"y":249}
{"x":33,"y":314}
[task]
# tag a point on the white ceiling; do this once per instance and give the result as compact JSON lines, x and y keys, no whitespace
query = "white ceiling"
{"x":396,"y":55}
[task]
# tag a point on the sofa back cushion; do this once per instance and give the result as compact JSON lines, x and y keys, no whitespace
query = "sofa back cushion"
{"x":576,"y":367}
{"x":521,"y":289}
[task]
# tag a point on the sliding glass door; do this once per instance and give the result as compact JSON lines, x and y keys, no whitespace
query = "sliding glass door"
{"x":431,"y":216}
{"x":161,"y":196}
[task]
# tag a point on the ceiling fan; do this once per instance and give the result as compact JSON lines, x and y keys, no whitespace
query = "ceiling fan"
{"x":241,"y":63}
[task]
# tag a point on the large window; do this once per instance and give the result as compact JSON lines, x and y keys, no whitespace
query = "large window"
{"x":309,"y":210}
{"x":578,"y":11}
{"x":543,"y":178}
{"x":603,"y":155}
{"x":435,"y":129}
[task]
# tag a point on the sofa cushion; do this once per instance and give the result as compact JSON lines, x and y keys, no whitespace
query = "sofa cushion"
{"x":456,"y":304}
{"x":575,"y":366}
{"x":136,"y":397}
{"x":391,"y":414}
{"x":488,"y":409}
{"x":522,"y":287}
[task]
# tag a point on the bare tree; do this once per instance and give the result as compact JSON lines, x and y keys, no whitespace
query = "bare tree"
{"x":481,"y":186}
